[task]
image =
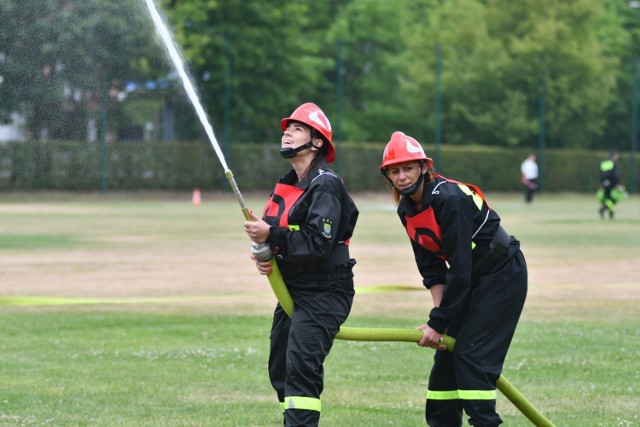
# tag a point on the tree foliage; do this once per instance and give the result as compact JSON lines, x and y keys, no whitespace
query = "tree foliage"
{"x":57,"y":57}
{"x":254,"y":61}
{"x":500,"y":57}
{"x":270,"y":57}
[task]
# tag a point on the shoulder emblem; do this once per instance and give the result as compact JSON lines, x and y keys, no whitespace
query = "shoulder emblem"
{"x":327,"y":224}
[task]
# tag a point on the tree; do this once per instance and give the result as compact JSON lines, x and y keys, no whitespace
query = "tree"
{"x":620,"y":33}
{"x":375,"y":64}
{"x":274,"y":55}
{"x":57,"y":57}
{"x":492,"y":66}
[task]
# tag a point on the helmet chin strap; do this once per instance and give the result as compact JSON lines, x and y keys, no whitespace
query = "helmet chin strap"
{"x":288,"y":153}
{"x":412,"y":190}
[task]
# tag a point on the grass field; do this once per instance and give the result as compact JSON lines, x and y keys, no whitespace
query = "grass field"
{"x":143,"y":310}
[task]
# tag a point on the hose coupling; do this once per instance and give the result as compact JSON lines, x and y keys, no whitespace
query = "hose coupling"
{"x":261,"y":251}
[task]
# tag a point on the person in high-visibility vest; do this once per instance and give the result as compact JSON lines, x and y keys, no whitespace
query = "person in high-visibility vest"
{"x":609,"y":181}
{"x":307,"y":222}
{"x":477,"y":276}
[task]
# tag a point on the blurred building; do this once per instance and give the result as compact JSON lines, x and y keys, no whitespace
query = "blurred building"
{"x":13,"y":131}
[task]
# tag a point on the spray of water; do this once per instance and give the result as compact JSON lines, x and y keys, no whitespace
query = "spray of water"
{"x":172,"y":50}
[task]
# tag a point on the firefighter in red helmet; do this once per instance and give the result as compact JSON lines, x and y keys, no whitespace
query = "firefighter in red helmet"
{"x":307,"y":223}
{"x":311,"y":115}
{"x":477,"y":277}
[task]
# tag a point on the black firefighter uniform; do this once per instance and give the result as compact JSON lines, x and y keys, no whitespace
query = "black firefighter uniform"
{"x":458,"y":242}
{"x":311,"y":224}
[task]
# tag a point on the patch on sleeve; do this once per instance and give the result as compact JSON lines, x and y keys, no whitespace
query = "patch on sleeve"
{"x":327,"y":227}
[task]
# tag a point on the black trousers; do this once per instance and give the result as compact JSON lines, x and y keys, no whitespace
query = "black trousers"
{"x":530,"y":188}
{"x":466,"y":379}
{"x":300,"y":344}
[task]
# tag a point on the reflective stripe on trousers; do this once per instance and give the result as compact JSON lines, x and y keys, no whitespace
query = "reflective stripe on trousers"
{"x":301,"y":402}
{"x":462,"y":394}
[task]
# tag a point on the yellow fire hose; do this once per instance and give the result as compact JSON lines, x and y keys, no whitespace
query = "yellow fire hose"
{"x":262,"y":253}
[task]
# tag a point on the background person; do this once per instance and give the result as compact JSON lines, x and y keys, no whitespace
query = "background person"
{"x":609,"y":181}
{"x":477,"y":276}
{"x":307,"y":222}
{"x":529,"y":177}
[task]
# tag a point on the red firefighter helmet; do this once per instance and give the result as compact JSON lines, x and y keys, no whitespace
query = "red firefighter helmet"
{"x":311,"y":115}
{"x":403,"y":148}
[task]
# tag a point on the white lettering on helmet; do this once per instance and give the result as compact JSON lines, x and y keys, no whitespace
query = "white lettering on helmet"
{"x":413,"y":149}
{"x":315,"y":117}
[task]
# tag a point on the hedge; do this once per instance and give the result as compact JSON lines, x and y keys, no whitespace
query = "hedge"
{"x":76,"y":166}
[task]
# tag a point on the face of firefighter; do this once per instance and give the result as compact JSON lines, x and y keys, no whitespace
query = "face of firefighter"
{"x":296,"y":140}
{"x":406,"y":175}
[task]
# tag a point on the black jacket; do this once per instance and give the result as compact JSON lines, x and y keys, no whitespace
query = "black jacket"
{"x":315,"y":232}
{"x":466,"y":228}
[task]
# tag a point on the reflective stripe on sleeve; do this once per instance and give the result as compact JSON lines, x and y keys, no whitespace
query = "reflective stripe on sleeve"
{"x":301,"y":402}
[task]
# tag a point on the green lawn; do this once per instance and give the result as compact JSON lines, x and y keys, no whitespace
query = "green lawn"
{"x":174,"y":363}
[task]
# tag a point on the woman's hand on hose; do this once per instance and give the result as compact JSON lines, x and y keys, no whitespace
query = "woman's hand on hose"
{"x":431,"y":338}
{"x":264,"y":267}
{"x":257,"y":230}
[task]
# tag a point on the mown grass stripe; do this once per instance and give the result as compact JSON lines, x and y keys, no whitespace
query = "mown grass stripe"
{"x":23,"y":300}
{"x":44,"y":300}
